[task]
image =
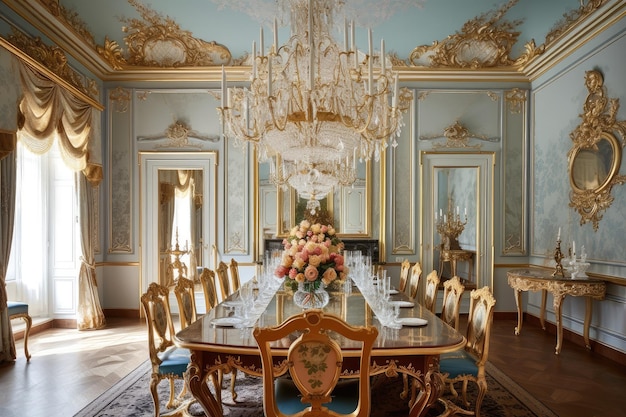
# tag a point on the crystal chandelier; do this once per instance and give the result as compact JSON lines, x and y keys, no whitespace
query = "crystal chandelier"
{"x":314,"y":108}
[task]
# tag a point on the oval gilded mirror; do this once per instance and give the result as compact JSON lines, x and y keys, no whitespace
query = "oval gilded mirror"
{"x":593,"y":168}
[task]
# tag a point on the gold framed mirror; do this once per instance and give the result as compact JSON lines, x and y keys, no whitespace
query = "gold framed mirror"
{"x":596,"y":154}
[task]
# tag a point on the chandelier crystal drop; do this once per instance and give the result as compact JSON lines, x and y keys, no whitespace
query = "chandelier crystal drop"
{"x":314,"y":108}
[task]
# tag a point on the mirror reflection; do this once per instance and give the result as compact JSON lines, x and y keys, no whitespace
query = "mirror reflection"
{"x":591,"y":167}
{"x":180,"y":224}
{"x":347,"y":208}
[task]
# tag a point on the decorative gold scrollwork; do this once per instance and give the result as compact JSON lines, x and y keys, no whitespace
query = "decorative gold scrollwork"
{"x":155,"y":41}
{"x":596,"y":155}
{"x":484,"y":42}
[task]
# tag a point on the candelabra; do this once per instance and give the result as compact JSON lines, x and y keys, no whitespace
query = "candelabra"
{"x":450,"y":226}
{"x":177,"y":264}
{"x":558,"y":257}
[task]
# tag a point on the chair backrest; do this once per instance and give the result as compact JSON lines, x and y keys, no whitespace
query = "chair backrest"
{"x":207,"y":280}
{"x":482,"y":303}
{"x":314,"y":361}
{"x":404,"y":275}
{"x":156,"y":307}
{"x":430,"y":294}
{"x":414,"y":280}
{"x":235,"y":283}
{"x":185,"y":295}
{"x":223,"y":281}
{"x":452,"y":291}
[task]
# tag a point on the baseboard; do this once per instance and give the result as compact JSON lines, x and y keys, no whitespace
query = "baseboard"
{"x":596,"y":347}
{"x":121,"y":312}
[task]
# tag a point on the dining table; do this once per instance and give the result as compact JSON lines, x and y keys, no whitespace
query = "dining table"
{"x":220,"y":344}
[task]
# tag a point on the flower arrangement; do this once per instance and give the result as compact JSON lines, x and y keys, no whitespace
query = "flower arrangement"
{"x":311,"y":257}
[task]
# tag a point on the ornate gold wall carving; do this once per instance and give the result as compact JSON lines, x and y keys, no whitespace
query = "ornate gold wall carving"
{"x":158,"y":41}
{"x":483,"y":42}
{"x":572,"y":18}
{"x":54,"y":59}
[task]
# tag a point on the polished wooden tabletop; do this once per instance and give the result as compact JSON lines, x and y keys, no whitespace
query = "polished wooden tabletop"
{"x":431,"y":339}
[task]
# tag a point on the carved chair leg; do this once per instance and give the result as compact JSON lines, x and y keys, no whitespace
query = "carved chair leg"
{"x":233,"y":379}
{"x":154,"y":383}
{"x":405,"y":391}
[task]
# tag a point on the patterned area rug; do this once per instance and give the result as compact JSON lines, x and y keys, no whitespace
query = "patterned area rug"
{"x":131,"y":397}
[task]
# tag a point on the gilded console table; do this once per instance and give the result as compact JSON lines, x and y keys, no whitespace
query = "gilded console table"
{"x":541,"y":280}
{"x":453,"y":256}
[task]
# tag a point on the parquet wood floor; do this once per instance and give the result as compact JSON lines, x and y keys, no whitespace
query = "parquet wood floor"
{"x":69,"y":369}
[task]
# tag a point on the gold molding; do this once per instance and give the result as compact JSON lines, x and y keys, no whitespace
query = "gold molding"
{"x":120,"y":97}
{"x":157,"y":41}
{"x":598,"y":125}
{"x":52,"y":62}
{"x":458,"y":136}
{"x":572,"y":18}
{"x":484,"y":42}
{"x":516,"y":98}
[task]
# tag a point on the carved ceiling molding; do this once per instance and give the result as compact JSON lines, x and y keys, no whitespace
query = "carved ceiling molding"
{"x":572,"y":18}
{"x":70,"y":19}
{"x":54,"y":59}
{"x":157,"y":41}
{"x":483,"y":42}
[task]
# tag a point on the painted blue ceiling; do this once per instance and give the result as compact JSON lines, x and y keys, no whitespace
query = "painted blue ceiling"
{"x":410,"y":27}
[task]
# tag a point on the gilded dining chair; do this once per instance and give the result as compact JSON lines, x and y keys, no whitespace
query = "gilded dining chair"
{"x":223,"y":281}
{"x":414,"y":280}
{"x":469,"y":364}
{"x":430,"y":296}
{"x":168,"y":361}
{"x":235,"y":282}
{"x":207,"y":281}
{"x":452,"y":291}
{"x":314,"y":362}
{"x":185,"y":296}
{"x":404,"y":275}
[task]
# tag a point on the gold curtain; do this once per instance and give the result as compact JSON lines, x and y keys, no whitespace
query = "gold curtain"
{"x":7,"y":218}
{"x":47,"y":112}
{"x":90,"y":315}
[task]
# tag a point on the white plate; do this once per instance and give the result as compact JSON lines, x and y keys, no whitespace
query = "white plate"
{"x":412,"y":321}
{"x":404,"y":303}
{"x":232,"y":303}
{"x":394,"y":292}
{"x":226,"y":321}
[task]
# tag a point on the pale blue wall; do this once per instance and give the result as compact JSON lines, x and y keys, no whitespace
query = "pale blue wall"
{"x":556,"y":102}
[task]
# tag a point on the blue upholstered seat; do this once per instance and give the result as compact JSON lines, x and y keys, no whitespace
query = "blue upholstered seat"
{"x":174,"y":361}
{"x":16,"y":307}
{"x":458,"y":363}
{"x":345,"y":397}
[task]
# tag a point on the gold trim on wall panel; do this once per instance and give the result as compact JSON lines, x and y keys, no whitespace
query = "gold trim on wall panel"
{"x":236,"y":199}
{"x":120,"y":207}
{"x":402,"y":188}
{"x":513,"y":186}
{"x":382,"y":250}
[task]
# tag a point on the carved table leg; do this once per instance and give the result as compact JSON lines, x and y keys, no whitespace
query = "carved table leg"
{"x":587,"y":322}
{"x":196,"y":376}
{"x":542,"y":314}
{"x":558,"y":301}
{"x":518,"y":302}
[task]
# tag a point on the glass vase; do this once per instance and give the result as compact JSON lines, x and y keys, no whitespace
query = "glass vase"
{"x":308,"y":296}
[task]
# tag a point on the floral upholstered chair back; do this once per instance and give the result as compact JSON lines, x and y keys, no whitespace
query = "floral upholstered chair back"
{"x":404,"y":275}
{"x":482,"y":303}
{"x":452,"y":291}
{"x":314,"y":362}
{"x":414,"y":280}
{"x":430,"y":296}
{"x":235,"y":282}
{"x":185,"y":295}
{"x":207,"y":280}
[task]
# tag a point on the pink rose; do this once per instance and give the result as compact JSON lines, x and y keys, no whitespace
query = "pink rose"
{"x":311,"y":273}
{"x":292,"y":273}
{"x":338,"y":260}
{"x":324,"y":229}
{"x":281,"y":271}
